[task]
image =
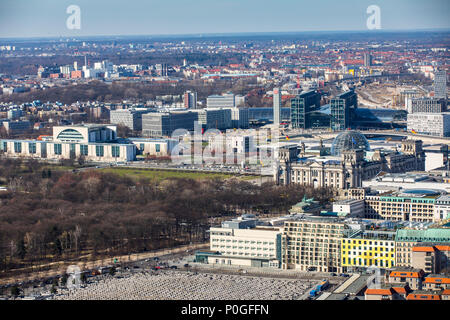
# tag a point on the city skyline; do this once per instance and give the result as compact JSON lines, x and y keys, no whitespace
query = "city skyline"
{"x":224,"y":150}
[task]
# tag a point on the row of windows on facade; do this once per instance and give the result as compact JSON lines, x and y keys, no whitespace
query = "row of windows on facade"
{"x":243,"y":241}
{"x":368,"y":262}
{"x":367,"y":242}
{"x":402,"y":205}
{"x":309,"y":262}
{"x":57,"y":149}
{"x":229,"y":262}
{"x":315,"y":174}
{"x":324,"y":257}
{"x":318,"y":242}
{"x":249,"y":254}
{"x":418,"y":214}
{"x":306,"y":254}
{"x":403,"y":202}
{"x":311,"y":251}
{"x":157,"y":147}
{"x":292,"y":231}
{"x":304,"y":179}
{"x":307,"y":225}
{"x":368,"y":254}
{"x":247,"y":248}
{"x":312,"y":227}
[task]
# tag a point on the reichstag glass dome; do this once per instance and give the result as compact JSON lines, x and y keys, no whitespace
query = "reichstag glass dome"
{"x":349,"y":140}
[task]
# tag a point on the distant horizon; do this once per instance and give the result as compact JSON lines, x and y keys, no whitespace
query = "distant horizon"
{"x":212,"y":34}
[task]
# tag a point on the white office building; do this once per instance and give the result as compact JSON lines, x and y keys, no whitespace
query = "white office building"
{"x":243,"y":243}
{"x":434,"y":124}
{"x":232,"y":143}
{"x":349,"y":207}
{"x":91,"y":141}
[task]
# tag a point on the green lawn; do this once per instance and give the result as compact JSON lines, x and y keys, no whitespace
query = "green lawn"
{"x":158,"y":175}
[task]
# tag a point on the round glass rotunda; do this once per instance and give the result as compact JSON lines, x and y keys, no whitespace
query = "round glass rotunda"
{"x":349,"y":140}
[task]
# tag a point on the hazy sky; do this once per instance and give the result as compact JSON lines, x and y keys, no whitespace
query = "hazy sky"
{"x":33,"y":18}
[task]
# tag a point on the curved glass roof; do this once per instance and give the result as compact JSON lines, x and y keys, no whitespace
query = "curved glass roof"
{"x":349,"y":140}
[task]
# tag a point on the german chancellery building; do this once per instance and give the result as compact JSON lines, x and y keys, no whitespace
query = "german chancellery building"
{"x":93,"y":142}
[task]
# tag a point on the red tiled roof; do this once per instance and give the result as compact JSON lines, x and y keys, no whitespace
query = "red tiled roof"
{"x":423,"y":296}
{"x":444,"y":280}
{"x":424,"y":249}
{"x":405,"y":274}
{"x":399,"y":290}
{"x":388,"y":291}
{"x":442,"y":247}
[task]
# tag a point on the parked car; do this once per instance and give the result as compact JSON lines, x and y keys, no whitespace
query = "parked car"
{"x":173,"y":267}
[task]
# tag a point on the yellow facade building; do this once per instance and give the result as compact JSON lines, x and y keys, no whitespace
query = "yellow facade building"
{"x":364,"y":249}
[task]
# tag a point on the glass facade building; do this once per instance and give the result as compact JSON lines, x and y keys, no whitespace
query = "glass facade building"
{"x":342,"y":110}
{"x":301,"y":108}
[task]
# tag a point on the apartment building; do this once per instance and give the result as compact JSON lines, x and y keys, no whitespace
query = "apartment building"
{"x":413,"y":277}
{"x":388,"y":292}
{"x":190,"y":99}
{"x":406,"y":239}
{"x":411,"y":205}
{"x":312,"y":244}
{"x":425,"y":257}
{"x":436,"y":282}
{"x":424,"y":295}
{"x":364,"y":249}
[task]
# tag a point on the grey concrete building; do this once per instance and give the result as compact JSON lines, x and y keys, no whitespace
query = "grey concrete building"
{"x":164,"y":124}
{"x":129,"y":117}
